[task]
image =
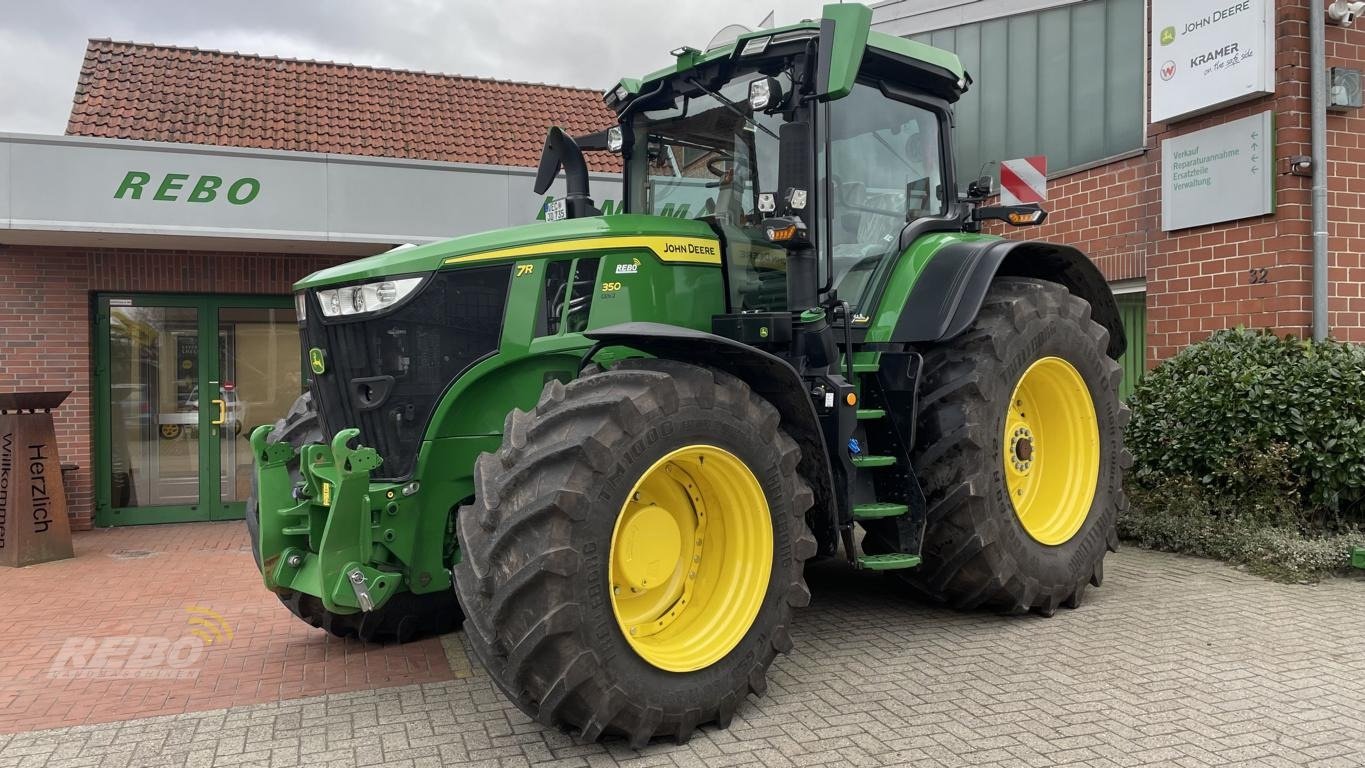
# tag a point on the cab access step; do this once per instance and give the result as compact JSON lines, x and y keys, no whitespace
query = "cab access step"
{"x":888,"y":500}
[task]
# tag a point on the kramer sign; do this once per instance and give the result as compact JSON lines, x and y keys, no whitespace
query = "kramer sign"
{"x":1217,"y":174}
{"x":1209,"y":53}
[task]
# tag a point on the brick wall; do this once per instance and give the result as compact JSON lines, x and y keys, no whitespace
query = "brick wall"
{"x":1199,"y":279}
{"x":46,"y":316}
{"x":1346,"y":197}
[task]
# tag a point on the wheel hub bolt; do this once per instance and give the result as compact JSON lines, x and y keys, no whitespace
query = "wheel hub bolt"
{"x":294,"y":560}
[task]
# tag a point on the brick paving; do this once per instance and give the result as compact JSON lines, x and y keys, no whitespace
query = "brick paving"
{"x":1176,"y":661}
{"x":148,"y":582}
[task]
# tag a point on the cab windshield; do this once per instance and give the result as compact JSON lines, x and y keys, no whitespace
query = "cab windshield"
{"x":709,"y":156}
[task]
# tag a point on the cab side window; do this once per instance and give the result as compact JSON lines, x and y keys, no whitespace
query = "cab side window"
{"x":885,"y":170}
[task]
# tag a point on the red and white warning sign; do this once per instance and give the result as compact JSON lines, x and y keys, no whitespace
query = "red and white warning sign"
{"x":1023,"y":181}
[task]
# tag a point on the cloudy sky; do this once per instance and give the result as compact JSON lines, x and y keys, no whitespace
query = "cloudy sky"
{"x":587,"y":43}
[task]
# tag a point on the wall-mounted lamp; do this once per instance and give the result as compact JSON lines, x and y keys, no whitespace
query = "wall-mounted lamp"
{"x":1343,"y":13}
{"x":1344,"y":93}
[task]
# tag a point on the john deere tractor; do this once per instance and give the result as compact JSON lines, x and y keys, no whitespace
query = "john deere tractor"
{"x":614,"y":441}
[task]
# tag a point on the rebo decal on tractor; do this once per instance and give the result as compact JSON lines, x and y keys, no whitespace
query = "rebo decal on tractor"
{"x":614,"y":441}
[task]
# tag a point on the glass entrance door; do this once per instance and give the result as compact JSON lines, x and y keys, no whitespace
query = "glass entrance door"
{"x":180,"y":383}
{"x":259,"y":377}
{"x":152,"y":423}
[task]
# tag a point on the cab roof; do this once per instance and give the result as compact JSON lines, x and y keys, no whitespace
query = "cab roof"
{"x":938,"y":70}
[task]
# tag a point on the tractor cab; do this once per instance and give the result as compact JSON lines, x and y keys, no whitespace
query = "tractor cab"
{"x":810,"y":151}
{"x":809,"y":184}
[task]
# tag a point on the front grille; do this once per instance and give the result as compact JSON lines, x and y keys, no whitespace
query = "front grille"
{"x":385,"y":374}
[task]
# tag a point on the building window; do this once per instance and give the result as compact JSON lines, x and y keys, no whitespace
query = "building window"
{"x":1065,"y":82}
{"x":1133,"y":314}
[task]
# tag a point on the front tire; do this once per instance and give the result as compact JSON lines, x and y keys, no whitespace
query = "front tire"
{"x":583,"y":530}
{"x":1020,"y":454}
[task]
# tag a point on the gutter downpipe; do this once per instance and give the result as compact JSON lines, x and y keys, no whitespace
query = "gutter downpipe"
{"x":1317,"y":34}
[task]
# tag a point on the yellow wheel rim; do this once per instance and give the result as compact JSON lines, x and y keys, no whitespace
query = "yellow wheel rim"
{"x":1051,"y":450}
{"x":170,"y":431}
{"x":690,"y":558}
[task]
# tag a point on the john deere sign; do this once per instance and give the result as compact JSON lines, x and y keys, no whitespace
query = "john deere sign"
{"x":131,"y":192}
{"x":171,"y":188}
{"x":1209,"y":53}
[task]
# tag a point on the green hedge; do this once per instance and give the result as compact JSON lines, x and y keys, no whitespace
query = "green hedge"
{"x":1180,"y":516}
{"x":1251,"y":448}
{"x":1273,"y":429}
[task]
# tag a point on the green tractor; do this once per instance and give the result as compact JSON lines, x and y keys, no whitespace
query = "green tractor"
{"x":615,"y":441}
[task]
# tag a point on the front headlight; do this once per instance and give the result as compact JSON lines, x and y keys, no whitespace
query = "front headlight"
{"x":369,"y":297}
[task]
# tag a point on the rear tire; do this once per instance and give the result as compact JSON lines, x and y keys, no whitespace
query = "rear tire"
{"x":404,"y":617}
{"x":978,"y":552}
{"x":539,"y":572}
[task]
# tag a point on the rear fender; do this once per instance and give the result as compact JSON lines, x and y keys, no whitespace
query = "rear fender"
{"x":769,"y":376}
{"x":949,"y":293}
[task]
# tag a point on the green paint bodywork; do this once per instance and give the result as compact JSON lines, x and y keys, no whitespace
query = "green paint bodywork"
{"x":1358,"y":557}
{"x":851,"y":26}
{"x":400,"y":535}
{"x":905,"y":271}
{"x":343,"y":521}
{"x":365,"y":523}
{"x":427,"y":258}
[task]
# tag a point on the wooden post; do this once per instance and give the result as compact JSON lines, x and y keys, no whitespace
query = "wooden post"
{"x":33,"y":523}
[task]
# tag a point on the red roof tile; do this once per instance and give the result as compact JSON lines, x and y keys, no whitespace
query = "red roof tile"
{"x":165,"y":93}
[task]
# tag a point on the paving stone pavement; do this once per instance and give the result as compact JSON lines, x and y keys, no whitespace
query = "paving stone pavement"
{"x":154,"y":582}
{"x":1176,"y":661}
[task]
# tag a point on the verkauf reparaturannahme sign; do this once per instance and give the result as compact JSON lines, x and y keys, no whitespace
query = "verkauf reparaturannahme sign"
{"x":1209,"y":53}
{"x":1218,"y":174}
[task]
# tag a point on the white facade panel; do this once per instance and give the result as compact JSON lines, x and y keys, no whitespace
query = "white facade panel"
{"x":132,"y":188}
{"x":911,"y":17}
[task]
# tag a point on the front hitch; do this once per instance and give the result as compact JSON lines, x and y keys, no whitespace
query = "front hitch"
{"x":316,"y":532}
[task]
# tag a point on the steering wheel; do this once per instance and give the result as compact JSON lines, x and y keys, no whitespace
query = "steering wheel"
{"x":721,"y":166}
{"x":853,"y":195}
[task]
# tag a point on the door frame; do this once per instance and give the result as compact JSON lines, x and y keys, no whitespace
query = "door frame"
{"x":209,"y":505}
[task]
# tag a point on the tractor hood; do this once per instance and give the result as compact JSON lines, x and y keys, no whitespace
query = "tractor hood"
{"x":509,"y":244}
